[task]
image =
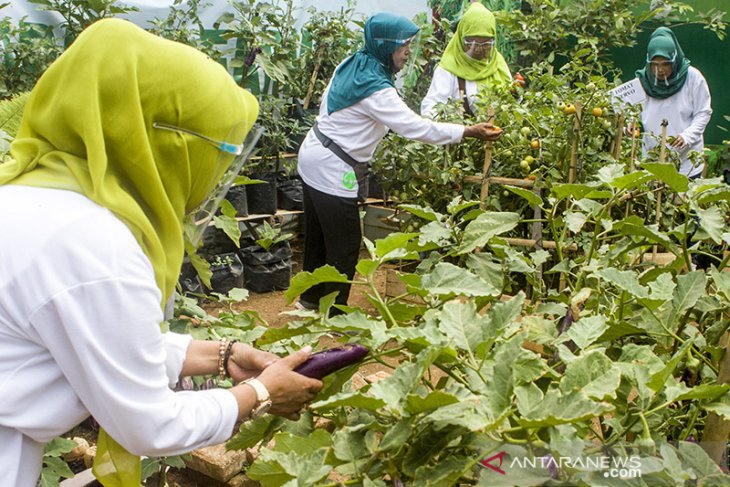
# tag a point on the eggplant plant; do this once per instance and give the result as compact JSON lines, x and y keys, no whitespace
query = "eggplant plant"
{"x":616,"y":366}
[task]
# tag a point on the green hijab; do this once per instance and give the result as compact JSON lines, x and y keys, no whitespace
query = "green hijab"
{"x":368,"y":70}
{"x":87,"y":127}
{"x":477,"y":21}
{"x":664,"y":43}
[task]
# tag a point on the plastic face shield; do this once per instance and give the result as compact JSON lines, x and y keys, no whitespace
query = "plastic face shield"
{"x":232,"y":155}
{"x":479,"y":49}
{"x":662,"y":66}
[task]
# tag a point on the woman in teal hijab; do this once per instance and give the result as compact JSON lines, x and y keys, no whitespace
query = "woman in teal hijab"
{"x":372,"y":68}
{"x":678,"y":93}
{"x":359,"y":107}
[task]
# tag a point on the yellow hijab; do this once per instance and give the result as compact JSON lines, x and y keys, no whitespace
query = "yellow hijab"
{"x":87,"y":127}
{"x":477,"y":21}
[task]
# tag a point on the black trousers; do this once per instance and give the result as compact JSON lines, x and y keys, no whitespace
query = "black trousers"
{"x":332,"y":236}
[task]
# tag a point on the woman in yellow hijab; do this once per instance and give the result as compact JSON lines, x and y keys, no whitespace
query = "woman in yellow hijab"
{"x":124,"y":135}
{"x":470,"y":62}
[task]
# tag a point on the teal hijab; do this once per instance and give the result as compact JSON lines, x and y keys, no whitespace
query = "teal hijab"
{"x":369,"y":70}
{"x":664,"y":43}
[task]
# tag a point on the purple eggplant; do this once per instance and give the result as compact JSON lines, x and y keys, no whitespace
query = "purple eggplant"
{"x":325,"y":362}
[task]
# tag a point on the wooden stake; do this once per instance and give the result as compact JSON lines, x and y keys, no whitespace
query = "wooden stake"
{"x":572,"y":172}
{"x":487,"y":166}
{"x":315,"y":73}
{"x":662,"y":157}
{"x":619,"y":137}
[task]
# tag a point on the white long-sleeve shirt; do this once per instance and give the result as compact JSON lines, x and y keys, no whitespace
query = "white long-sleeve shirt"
{"x":79,"y":335}
{"x":444,"y":87}
{"x":688,"y":111}
{"x":358,"y":129}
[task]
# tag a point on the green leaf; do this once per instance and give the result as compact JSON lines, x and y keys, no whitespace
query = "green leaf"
{"x":609,"y":173}
{"x":659,"y":379}
{"x":695,"y":457}
{"x":625,"y":280}
{"x":275,"y":468}
{"x":592,"y":374}
{"x":250,"y":433}
{"x":349,"y":444}
{"x":287,"y":442}
{"x":631,"y":181}
{"x":532,"y":198}
{"x":587,"y":330}
{"x":449,"y":280}
{"x":445,"y":472}
{"x":557,"y":408}
{"x":394,"y":390}
{"x":462,"y":324}
{"x":575,"y":220}
{"x":528,"y":367}
{"x":367,"y":267}
{"x":396,"y":435}
{"x":349,"y":399}
{"x":304,"y":280}
{"x":722,"y":282}
{"x":229,"y":226}
{"x":416,"y":403}
{"x":634,"y":226}
{"x":434,"y":232}
{"x":690,"y":288}
{"x":712,"y":221}
{"x":486,"y":226}
{"x":720,"y":408}
{"x":667,"y":173}
{"x":577,"y":191}
{"x":393,"y":242}
{"x":422,"y":212}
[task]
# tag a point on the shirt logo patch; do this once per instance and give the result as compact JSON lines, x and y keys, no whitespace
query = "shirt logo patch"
{"x":349,"y":180}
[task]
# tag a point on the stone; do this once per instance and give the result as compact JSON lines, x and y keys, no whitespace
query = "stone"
{"x":217,"y":462}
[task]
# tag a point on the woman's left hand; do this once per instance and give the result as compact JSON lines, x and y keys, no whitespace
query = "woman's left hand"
{"x":247,"y":362}
{"x":678,"y":142}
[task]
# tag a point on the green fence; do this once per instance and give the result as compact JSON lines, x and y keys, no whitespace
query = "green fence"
{"x":706,"y":52}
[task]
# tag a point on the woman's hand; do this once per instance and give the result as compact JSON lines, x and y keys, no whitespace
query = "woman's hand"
{"x":246,"y":362}
{"x":483,"y":131}
{"x":678,"y":142}
{"x":289,"y":391}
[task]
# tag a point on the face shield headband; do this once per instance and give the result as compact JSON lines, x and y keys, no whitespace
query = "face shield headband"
{"x":201,"y":216}
{"x":653,"y":67}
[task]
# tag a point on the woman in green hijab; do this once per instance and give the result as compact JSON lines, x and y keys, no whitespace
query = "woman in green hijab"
{"x":122,"y":136}
{"x":471,"y":62}
{"x":678,"y":93}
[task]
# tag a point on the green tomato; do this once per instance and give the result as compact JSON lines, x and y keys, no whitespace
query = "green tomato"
{"x":591,"y":86}
{"x":525,"y":131}
{"x":525,"y":165}
{"x":507,"y":153}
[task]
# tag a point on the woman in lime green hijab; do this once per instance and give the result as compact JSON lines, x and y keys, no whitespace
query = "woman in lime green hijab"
{"x":124,"y":135}
{"x":470,"y":62}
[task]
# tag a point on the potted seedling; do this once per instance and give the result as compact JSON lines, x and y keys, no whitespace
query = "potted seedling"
{"x":267,"y":263}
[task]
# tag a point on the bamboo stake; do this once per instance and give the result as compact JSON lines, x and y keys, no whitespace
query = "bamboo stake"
{"x":487,"y":166}
{"x":315,"y":73}
{"x":717,"y":429}
{"x":662,"y":157}
{"x":619,"y":136}
{"x":572,"y":172}
{"x":631,"y":163}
